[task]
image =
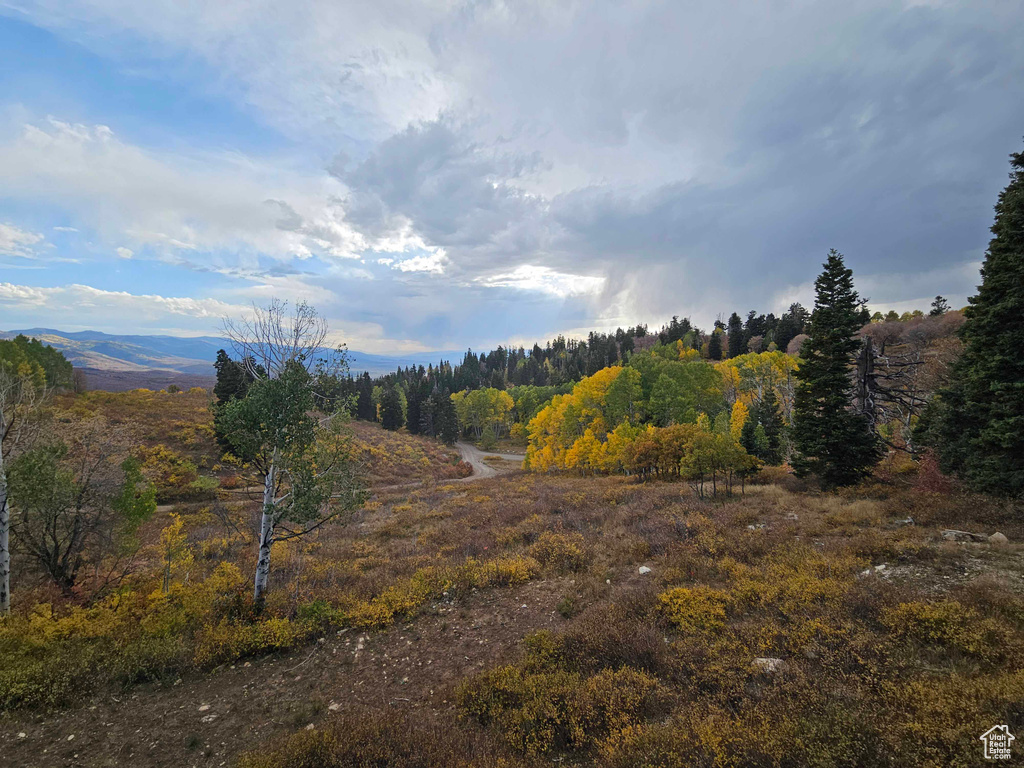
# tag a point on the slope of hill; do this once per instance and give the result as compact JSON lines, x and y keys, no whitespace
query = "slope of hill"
{"x":192,"y":356}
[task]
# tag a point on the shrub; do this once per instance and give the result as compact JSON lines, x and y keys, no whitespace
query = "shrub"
{"x":694,"y":609}
{"x":541,"y":711}
{"x":561,"y":552}
{"x":951,"y":625}
{"x":612,"y":637}
{"x":379,"y":739}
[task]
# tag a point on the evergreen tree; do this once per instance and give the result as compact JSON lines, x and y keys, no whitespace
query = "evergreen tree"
{"x":761,"y":435}
{"x":715,"y":346}
{"x":832,"y":440}
{"x":769,"y":418}
{"x":229,"y":378}
{"x":446,"y":419}
{"x":364,"y":402}
{"x":737,"y":344}
{"x":976,"y":424}
{"x":747,"y":434}
{"x":939,"y":307}
{"x":234,"y":378}
{"x":391,"y":416}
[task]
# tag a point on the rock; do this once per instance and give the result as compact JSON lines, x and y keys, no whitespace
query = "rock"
{"x":905,"y":521}
{"x":962,"y":536}
{"x":644,"y":569}
{"x":22,"y":735}
{"x":757,"y":527}
{"x":998,"y":538}
{"x":769,"y":665}
{"x":792,"y":516}
{"x":310,"y":727}
{"x":880,"y":568}
{"x":334,"y":707}
{"x":207,"y":718}
{"x":71,"y":737}
{"x":204,"y":707}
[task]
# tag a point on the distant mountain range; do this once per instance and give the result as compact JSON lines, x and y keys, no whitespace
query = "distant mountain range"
{"x":192,"y":356}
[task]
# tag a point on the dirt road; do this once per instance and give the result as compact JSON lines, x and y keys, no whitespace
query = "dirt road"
{"x":475,"y":458}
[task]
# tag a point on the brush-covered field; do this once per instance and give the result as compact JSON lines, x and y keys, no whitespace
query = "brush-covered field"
{"x":524,"y":619}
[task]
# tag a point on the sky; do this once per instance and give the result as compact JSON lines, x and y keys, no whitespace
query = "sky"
{"x":437,"y":175}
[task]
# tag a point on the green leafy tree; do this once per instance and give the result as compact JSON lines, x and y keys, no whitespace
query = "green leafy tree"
{"x":302,"y":460}
{"x":56,"y":370}
{"x":77,"y":501}
{"x":832,"y":440}
{"x":23,"y":392}
{"x":976,"y":424}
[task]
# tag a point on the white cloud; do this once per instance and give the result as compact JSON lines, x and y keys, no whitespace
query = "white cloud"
{"x":22,"y":295}
{"x":428,"y":262}
{"x":65,"y":229}
{"x":177,"y":202}
{"x":70,"y":299}
{"x":18,"y":242}
{"x":529,"y":277}
{"x":125,"y":253}
{"x":320,"y":68}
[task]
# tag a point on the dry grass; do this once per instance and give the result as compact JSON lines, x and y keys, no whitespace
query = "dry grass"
{"x":897,"y":647}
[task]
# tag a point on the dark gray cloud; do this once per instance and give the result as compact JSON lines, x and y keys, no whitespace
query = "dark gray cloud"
{"x":718,"y":154}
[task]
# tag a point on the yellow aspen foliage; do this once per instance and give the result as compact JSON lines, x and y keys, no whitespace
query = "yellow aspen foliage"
{"x":731,"y":388}
{"x":175,"y":552}
{"x":558,"y":434}
{"x":740,"y":412}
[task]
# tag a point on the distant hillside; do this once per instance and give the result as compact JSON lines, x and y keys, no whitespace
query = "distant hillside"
{"x":192,"y":356}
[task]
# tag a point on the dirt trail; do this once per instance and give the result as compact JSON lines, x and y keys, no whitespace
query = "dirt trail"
{"x":469,"y":453}
{"x":475,"y":458}
{"x":207,"y":720}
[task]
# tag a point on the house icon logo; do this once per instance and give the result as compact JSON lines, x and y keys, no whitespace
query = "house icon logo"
{"x":997,"y":741}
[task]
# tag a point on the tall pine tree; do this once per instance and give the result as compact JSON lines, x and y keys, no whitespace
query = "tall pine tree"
{"x":976,"y":424}
{"x":715,"y":345}
{"x":737,"y":343}
{"x":832,"y":440}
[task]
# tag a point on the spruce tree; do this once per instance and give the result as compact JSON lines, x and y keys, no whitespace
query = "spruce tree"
{"x":230,"y":379}
{"x":976,"y":424}
{"x":770,"y":418}
{"x":747,"y":434}
{"x":391,"y":410}
{"x":446,"y":419}
{"x":736,"y":340}
{"x":715,"y":346}
{"x":832,"y":440}
{"x":939,"y":307}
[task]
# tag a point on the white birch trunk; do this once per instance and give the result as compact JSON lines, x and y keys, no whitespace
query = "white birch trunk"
{"x":266,"y":533}
{"x":5,"y":539}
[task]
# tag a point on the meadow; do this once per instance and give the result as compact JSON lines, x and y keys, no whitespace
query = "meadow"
{"x":525,"y":619}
